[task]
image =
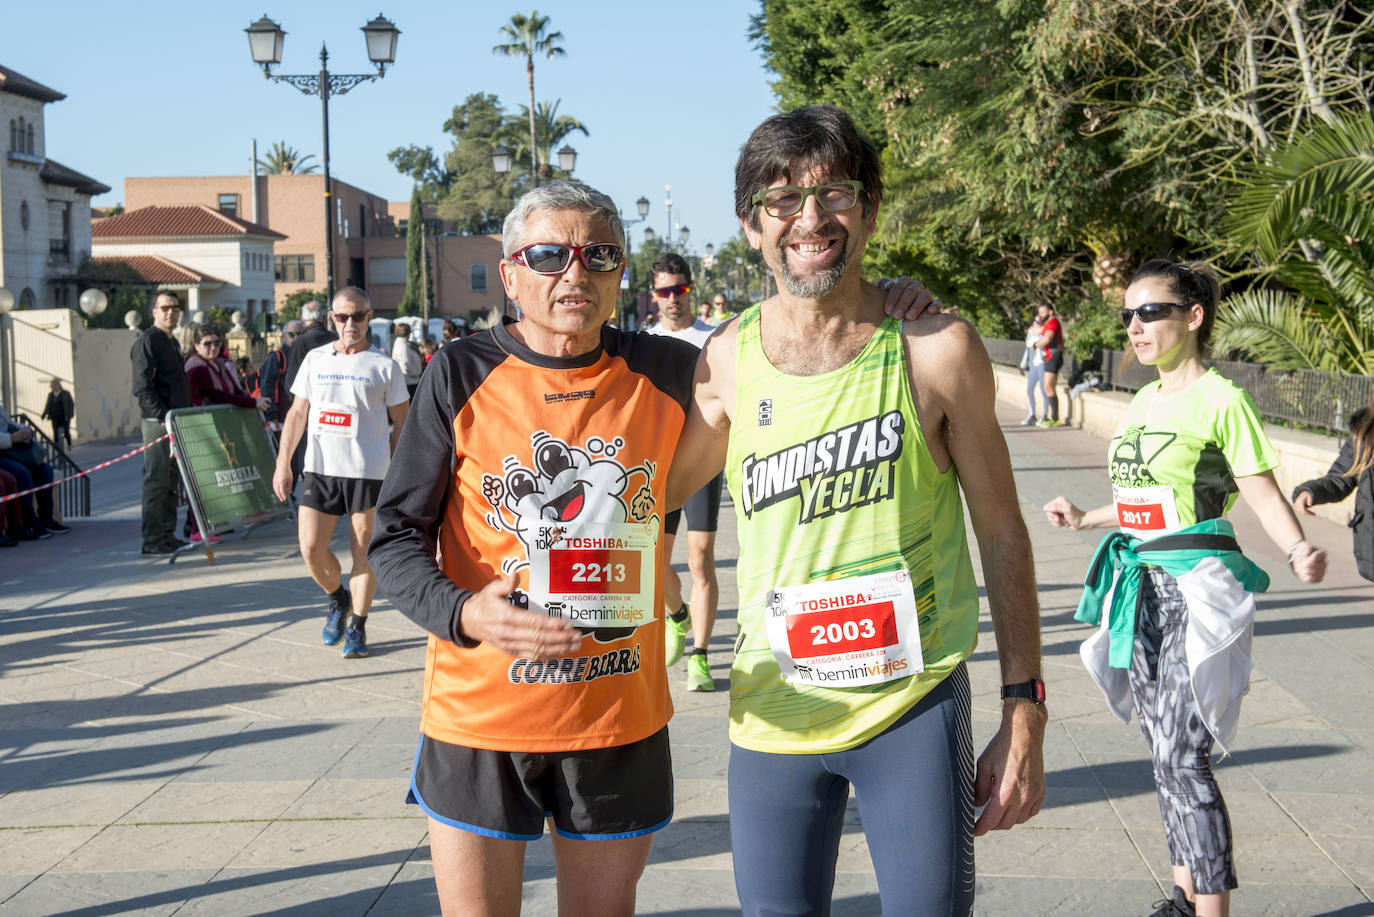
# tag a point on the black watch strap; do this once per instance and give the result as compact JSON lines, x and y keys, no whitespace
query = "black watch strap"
{"x":1033,"y":690}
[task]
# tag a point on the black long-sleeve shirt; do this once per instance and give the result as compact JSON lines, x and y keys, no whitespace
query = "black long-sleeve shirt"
{"x":315,"y":335}
{"x":160,"y":383}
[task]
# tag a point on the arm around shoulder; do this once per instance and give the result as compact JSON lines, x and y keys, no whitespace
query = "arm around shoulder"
{"x":700,"y":454}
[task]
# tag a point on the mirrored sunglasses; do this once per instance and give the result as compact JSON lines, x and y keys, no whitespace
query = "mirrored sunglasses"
{"x":1150,"y":312}
{"x":788,"y":200}
{"x":677,"y":289}
{"x":550,"y":258}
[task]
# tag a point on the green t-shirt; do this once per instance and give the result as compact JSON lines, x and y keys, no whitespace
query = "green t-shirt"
{"x":1174,"y":460}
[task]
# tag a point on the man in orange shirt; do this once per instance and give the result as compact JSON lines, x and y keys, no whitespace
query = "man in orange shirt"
{"x":534,"y":466}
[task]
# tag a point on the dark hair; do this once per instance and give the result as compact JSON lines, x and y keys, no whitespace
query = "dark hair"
{"x":820,"y":137}
{"x":161,"y":293}
{"x":203,"y":331}
{"x":450,"y":327}
{"x":671,"y":263}
{"x":1191,"y":282}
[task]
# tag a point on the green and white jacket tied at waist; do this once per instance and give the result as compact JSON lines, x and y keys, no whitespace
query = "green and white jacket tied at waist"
{"x":1219,"y":584}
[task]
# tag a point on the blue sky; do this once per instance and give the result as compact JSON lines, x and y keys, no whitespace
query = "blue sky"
{"x":668,"y":93}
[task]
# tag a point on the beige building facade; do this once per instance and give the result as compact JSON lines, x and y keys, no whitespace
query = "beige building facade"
{"x":45,"y":206}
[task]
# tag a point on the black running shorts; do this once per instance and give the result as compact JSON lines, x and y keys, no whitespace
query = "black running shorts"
{"x":339,"y":496}
{"x":599,"y":794}
{"x":702,"y":507}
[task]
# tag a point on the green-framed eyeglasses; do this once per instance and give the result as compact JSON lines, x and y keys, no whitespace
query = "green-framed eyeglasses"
{"x":788,"y":200}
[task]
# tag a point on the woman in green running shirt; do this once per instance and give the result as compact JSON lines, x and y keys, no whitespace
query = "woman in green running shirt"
{"x":1175,"y":646}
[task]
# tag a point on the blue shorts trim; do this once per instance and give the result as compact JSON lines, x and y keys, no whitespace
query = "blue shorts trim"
{"x":415,"y":799}
{"x":614,"y":837}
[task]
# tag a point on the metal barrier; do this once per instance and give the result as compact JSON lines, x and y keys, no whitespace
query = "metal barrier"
{"x":1303,"y":396}
{"x":71,"y":497}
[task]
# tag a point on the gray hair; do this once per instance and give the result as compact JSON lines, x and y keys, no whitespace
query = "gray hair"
{"x":355,"y":296}
{"x":299,"y":327}
{"x":312,"y":311}
{"x":558,"y":195}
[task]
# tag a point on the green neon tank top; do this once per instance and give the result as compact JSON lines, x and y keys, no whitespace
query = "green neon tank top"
{"x":831,"y":477}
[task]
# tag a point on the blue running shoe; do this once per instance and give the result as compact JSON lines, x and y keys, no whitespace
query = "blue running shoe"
{"x":334,"y":621}
{"x":355,"y":641}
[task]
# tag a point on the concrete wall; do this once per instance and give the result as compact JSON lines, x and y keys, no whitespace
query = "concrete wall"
{"x":1302,"y":456}
{"x":92,"y":364}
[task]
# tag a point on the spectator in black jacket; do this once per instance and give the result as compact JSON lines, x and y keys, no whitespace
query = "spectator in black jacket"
{"x":59,"y":410}
{"x":1352,"y":470}
{"x":160,"y":386}
{"x":272,"y":376}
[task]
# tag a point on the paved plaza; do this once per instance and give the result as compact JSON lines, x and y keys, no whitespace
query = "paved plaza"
{"x":175,"y":740}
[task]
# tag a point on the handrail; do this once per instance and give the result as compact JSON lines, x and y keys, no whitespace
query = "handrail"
{"x":73,"y":495}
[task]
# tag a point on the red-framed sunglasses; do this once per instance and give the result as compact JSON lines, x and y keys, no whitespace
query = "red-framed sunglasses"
{"x":677,"y":289}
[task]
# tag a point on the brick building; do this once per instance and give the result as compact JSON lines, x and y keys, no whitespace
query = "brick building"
{"x":369,"y":237}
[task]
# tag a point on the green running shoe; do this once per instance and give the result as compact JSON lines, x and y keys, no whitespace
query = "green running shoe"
{"x":699,"y":673}
{"x":675,"y":637}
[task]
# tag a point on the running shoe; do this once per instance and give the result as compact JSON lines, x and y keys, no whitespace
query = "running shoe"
{"x":334,"y":621}
{"x":1175,"y":906}
{"x":1047,"y":422}
{"x":56,"y":527}
{"x":355,"y":642}
{"x":675,"y":637}
{"x":699,"y":673}
{"x":1029,"y":421}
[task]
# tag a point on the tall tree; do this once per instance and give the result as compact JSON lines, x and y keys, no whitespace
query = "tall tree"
{"x":528,"y":38}
{"x":413,"y":301}
{"x":283,"y":159}
{"x":550,"y":129}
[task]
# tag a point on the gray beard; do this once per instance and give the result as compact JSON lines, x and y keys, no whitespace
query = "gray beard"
{"x":813,"y":286}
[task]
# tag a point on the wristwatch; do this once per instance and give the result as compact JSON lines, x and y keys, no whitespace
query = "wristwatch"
{"x":1033,"y":690}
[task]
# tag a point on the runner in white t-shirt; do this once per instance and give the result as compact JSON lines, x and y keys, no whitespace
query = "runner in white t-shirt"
{"x":672,"y":294}
{"x":346,"y":394}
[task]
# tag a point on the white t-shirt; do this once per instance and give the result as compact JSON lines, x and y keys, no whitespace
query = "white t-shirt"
{"x":412,"y":364}
{"x":349,"y":395}
{"x":694,"y":334}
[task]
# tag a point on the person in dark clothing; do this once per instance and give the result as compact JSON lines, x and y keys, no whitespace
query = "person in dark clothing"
{"x":272,"y":375}
{"x":317,"y":333}
{"x":160,"y":385}
{"x":1353,"y":470}
{"x":59,"y":410}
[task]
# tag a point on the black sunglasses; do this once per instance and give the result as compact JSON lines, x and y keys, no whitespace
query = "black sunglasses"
{"x":342,"y":318}
{"x":678,"y":289}
{"x":1150,"y":312}
{"x":551,"y":258}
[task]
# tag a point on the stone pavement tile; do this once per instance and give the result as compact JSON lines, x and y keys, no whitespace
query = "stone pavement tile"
{"x":187,"y":801}
{"x":1354,"y":856}
{"x":145,"y":894}
{"x":1048,"y":896}
{"x":709,"y":761}
{"x":353,"y":798}
{"x":253,"y":757}
{"x":368,"y":761}
{"x":1300,"y":901}
{"x":692,"y":844}
{"x":1331,"y":813}
{"x":698,"y":799}
{"x":36,"y":850}
{"x":174,"y":847}
{"x":314,"y":701}
{"x":1307,"y":760}
{"x":1268,"y":704}
{"x":289,"y":844}
{"x":324,"y":890}
{"x":1085,"y":853}
{"x":397,"y":730}
{"x":700,"y":729}
{"x":412,"y":894}
{"x":88,"y":804}
{"x":1259,"y":859}
{"x":1076,"y":807}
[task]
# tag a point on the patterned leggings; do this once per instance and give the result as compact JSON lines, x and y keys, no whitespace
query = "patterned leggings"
{"x":1195,"y":819}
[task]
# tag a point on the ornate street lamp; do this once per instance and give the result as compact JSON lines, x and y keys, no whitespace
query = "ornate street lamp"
{"x":567,"y":158}
{"x":649,"y":234}
{"x":265,"y":39}
{"x":501,"y":160}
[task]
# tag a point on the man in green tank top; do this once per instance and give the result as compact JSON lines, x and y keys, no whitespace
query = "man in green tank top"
{"x":846,"y":438}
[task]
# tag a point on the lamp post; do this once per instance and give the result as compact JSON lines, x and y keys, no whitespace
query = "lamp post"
{"x":502,"y":159}
{"x":6,"y":369}
{"x":265,"y":39}
{"x":668,"y":239}
{"x":642,"y":208}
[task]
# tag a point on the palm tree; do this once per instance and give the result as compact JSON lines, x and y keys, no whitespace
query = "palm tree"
{"x":1305,"y":218}
{"x":527,"y":38}
{"x":550,"y":129}
{"x":286,"y":160}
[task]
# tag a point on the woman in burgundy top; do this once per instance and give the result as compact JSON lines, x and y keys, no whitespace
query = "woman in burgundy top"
{"x":214,"y":381}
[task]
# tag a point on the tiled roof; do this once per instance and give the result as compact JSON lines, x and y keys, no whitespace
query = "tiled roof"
{"x":149,"y":268}
{"x":20,"y":85}
{"x":195,"y":220}
{"x":54,"y":173}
